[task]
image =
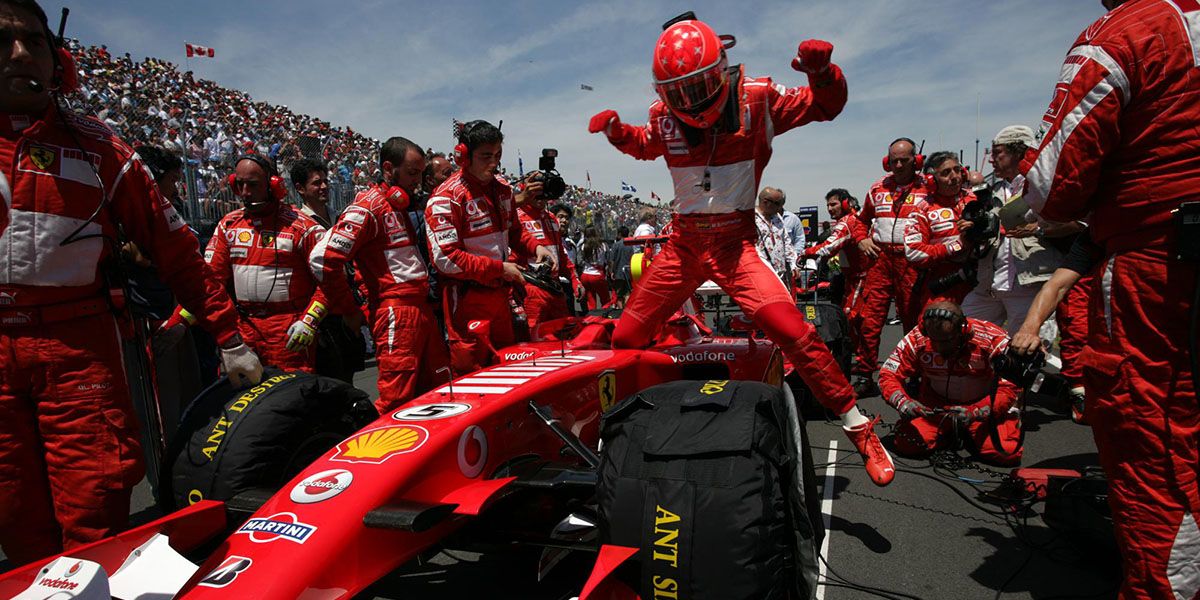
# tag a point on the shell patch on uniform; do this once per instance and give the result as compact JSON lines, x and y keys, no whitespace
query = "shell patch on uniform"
{"x":243,"y":237}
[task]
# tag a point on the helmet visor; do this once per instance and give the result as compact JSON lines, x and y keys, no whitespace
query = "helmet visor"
{"x":695,"y":92}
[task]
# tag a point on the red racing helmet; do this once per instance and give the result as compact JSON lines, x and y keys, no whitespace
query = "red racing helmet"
{"x":691,"y":72}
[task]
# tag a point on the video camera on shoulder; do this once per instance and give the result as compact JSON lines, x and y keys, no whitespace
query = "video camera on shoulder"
{"x":553,"y":185}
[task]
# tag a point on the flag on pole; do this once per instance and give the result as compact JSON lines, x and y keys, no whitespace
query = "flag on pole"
{"x":520,"y":165}
{"x":654,"y":196}
{"x":201,"y":51}
{"x":589,"y":178}
{"x":625,"y":187}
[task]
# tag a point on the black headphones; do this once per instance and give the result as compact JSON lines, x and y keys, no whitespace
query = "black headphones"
{"x":941,"y":314}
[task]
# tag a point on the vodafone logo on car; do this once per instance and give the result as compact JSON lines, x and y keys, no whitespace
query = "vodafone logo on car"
{"x":322,"y":486}
{"x":510,"y":356}
{"x":697,"y":356}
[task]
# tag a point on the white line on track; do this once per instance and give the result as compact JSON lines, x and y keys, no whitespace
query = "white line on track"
{"x":827,"y":515}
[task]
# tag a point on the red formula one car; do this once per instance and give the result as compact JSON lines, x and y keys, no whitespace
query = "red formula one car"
{"x":511,"y":446}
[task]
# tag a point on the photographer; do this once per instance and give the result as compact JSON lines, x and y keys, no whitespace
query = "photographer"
{"x":542,"y":304}
{"x":961,"y":397}
{"x":1069,"y":284}
{"x":1017,"y":263}
{"x":933,"y":242}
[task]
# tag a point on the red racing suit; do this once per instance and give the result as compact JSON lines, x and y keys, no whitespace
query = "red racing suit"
{"x":887,"y":212}
{"x":69,"y":443}
{"x":1119,"y":144}
{"x":263,"y":261}
{"x":473,"y":227}
{"x":376,"y":234}
{"x":541,"y":305}
{"x":964,"y":380}
{"x":714,"y":234}
{"x":933,"y":244}
{"x":842,"y":242}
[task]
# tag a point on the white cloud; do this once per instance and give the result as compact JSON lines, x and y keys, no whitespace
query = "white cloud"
{"x":388,"y":68}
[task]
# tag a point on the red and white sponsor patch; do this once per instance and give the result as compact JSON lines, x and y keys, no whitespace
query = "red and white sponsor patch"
{"x":322,"y":486}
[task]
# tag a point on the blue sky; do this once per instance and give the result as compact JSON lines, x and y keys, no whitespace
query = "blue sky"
{"x":406,"y":68}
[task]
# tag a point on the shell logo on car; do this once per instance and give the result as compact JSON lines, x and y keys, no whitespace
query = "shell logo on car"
{"x":377,"y":445}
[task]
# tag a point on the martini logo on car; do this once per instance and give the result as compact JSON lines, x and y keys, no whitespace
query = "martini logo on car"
{"x":321,"y":486}
{"x":282,"y":526}
{"x":224,"y":574}
{"x":377,"y":445}
{"x":430,"y":412}
{"x":698,"y":356}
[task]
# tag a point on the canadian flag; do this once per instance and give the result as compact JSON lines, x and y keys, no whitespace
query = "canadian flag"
{"x":201,"y":51}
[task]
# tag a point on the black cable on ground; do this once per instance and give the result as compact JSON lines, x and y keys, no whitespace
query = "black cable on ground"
{"x":842,"y":581}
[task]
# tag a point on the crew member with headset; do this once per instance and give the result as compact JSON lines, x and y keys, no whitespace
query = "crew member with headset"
{"x":1119,"y":147}
{"x":961,"y":398}
{"x":260,"y":252}
{"x":854,"y":264}
{"x":375,"y":233}
{"x":473,"y":226}
{"x":69,"y":451}
{"x":932,"y":242}
{"x":887,"y":210}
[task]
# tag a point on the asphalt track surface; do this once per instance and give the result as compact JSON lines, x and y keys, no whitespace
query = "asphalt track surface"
{"x":917,"y":537}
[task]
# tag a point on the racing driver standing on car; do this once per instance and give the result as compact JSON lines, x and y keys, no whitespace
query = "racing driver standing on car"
{"x":376,"y":234}
{"x":1119,"y":144}
{"x":714,"y":127}
{"x":69,"y":450}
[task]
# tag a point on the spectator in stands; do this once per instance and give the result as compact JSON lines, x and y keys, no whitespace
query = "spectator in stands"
{"x":647,"y":223}
{"x":960,"y":397}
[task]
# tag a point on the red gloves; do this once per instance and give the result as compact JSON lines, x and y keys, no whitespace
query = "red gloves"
{"x":812,"y":57}
{"x":610,"y":123}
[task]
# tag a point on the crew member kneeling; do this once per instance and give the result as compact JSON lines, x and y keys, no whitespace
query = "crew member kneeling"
{"x":961,"y":397}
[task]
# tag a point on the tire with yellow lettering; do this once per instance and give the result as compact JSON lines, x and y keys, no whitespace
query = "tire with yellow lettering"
{"x":230,"y":441}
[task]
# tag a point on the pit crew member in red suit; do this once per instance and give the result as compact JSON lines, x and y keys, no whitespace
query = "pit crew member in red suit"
{"x":854,"y":264}
{"x":714,"y":127}
{"x":1118,"y":143}
{"x":887,"y":211}
{"x":543,"y":226}
{"x":473,"y":227}
{"x":933,"y":242}
{"x":260,"y":253}
{"x":69,"y":442}
{"x":376,"y":234}
{"x":960,"y":397}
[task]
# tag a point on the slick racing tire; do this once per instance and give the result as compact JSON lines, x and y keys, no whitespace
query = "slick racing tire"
{"x":231,"y":441}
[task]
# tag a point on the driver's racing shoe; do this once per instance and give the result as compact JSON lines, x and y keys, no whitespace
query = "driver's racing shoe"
{"x":875,"y":458}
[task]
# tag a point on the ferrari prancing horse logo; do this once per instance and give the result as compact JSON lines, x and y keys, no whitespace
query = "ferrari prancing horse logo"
{"x":42,"y":157}
{"x":606,"y":384}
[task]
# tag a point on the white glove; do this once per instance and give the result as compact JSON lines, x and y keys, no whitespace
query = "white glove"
{"x":300,"y":336}
{"x":241,"y":365}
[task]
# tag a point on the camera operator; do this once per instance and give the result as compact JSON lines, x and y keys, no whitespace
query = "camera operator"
{"x":1070,"y":284}
{"x":542,"y":304}
{"x":933,"y":242}
{"x":472,"y":225}
{"x":1017,"y":262}
{"x":774,"y":243}
{"x":1119,"y":148}
{"x":961,"y":397}
{"x":854,"y":264}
